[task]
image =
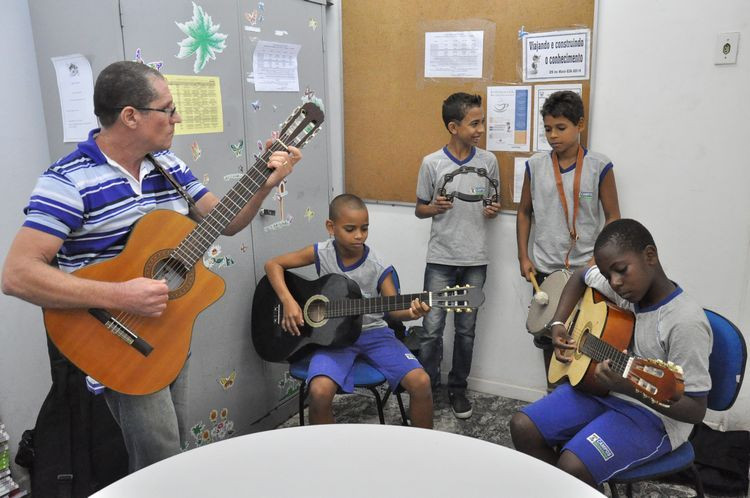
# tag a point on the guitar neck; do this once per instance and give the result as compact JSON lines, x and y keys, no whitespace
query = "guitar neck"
{"x":382,"y":304}
{"x":202,"y":237}
{"x":598,"y":350}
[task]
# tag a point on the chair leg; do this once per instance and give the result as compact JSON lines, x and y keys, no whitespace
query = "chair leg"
{"x":302,"y":395}
{"x":379,"y":403}
{"x":404,"y":418}
{"x":613,"y":490}
{"x":698,"y":482}
{"x":629,"y":490}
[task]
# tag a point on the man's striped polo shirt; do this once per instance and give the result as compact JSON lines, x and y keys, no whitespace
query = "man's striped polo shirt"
{"x":91,"y":205}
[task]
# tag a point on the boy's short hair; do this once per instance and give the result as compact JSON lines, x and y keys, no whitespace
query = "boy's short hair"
{"x":123,"y":83}
{"x":350,"y":201}
{"x":457,"y":105}
{"x":626,"y":234}
{"x":564,"y":103}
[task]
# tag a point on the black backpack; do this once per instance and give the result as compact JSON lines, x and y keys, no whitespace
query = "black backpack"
{"x":76,"y":447}
{"x":722,"y":459}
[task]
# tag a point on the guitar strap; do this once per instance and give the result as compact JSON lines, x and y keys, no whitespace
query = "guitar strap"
{"x":564,"y":202}
{"x":191,"y":203}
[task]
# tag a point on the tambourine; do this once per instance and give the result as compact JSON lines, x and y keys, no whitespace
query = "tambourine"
{"x":486,"y":200}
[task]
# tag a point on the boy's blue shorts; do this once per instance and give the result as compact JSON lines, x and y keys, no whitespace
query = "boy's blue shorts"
{"x":608,"y":434}
{"x":379,"y":347}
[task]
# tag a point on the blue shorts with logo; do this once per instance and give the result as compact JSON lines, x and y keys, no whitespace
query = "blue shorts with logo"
{"x":608,"y":434}
{"x":379,"y":347}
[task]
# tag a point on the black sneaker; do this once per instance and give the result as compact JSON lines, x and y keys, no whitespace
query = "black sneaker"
{"x":460,"y":405}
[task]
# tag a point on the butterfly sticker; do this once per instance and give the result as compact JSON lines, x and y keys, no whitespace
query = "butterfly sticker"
{"x":256,"y":105}
{"x":195,"y":149}
{"x":313,"y":23}
{"x":155,"y":64}
{"x":238,"y":148}
{"x":227,"y":382}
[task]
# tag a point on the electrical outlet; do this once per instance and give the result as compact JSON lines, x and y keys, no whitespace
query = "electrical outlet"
{"x":727,"y":45}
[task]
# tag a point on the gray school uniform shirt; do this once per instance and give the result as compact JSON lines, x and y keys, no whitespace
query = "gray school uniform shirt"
{"x":369,"y":273}
{"x":458,"y":237}
{"x":675,"y":330}
{"x":551,"y":236}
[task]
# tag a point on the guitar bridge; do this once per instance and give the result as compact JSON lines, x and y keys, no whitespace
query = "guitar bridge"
{"x":121,"y":331}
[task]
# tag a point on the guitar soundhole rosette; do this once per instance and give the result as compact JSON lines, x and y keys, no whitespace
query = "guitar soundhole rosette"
{"x":161,"y":265}
{"x":315,"y":311}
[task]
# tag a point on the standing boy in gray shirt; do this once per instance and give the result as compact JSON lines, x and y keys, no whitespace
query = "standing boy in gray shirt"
{"x":457,"y":253}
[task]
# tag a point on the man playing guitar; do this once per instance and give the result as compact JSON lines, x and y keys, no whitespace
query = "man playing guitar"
{"x":83,"y":209}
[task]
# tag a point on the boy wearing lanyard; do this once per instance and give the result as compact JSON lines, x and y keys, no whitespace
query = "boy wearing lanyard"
{"x":566,"y":190}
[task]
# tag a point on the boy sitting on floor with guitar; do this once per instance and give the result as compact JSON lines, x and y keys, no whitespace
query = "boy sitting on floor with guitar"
{"x":331,"y":368}
{"x":594,"y":437}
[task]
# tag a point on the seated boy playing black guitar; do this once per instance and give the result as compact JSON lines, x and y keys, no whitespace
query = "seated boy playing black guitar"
{"x":595,"y":437}
{"x":331,"y":368}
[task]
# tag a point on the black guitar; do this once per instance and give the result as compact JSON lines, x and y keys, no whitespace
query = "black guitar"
{"x":332,"y":307}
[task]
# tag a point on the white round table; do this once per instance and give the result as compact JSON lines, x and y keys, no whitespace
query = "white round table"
{"x":350,"y":460}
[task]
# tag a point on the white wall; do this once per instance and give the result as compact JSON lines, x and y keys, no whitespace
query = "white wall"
{"x":673,"y":124}
{"x":24,"y":367}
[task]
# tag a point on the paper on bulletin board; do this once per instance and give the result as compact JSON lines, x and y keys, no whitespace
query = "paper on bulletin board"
{"x":453,"y":54}
{"x":198,"y":100}
{"x":508,"y":118}
{"x":275,"y":67}
{"x":75,"y":84}
{"x":557,"y":55}
{"x":519,"y":172}
{"x":541,"y":92}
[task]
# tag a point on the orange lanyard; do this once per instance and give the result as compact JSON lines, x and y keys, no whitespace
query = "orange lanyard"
{"x":564,"y":202}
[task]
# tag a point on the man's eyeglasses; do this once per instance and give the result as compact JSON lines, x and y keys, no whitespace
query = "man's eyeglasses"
{"x":171,"y":111}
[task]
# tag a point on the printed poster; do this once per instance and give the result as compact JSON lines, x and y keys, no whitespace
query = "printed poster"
{"x":75,"y":84}
{"x":453,"y":54}
{"x":557,"y":55}
{"x":198,"y":100}
{"x":508,"y":118}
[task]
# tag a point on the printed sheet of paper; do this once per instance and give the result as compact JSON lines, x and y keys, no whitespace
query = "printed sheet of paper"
{"x":275,"y":67}
{"x":541,"y":92}
{"x":198,"y":100}
{"x":453,"y":54}
{"x":508,"y":118}
{"x":519,"y":171}
{"x":557,"y":55}
{"x":75,"y":84}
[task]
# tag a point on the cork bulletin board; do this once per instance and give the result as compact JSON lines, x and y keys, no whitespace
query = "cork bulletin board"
{"x":392,"y":113}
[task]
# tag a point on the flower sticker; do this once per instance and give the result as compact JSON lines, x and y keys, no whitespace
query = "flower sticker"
{"x":203,"y":39}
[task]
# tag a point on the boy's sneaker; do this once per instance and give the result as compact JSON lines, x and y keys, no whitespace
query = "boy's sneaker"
{"x":460,"y":404}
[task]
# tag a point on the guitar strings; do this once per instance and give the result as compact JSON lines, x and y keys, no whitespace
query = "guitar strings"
{"x":183,"y":265}
{"x":602,"y":348}
{"x":380,"y":304}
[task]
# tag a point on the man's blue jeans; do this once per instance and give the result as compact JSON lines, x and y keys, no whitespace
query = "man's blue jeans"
{"x":152,"y":425}
{"x":436,"y":278}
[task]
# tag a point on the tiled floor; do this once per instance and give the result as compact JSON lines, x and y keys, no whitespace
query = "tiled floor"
{"x":489,"y":422}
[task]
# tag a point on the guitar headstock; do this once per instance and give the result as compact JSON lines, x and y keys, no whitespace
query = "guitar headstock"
{"x":659,"y":381}
{"x":458,"y":299}
{"x":303,"y":124}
